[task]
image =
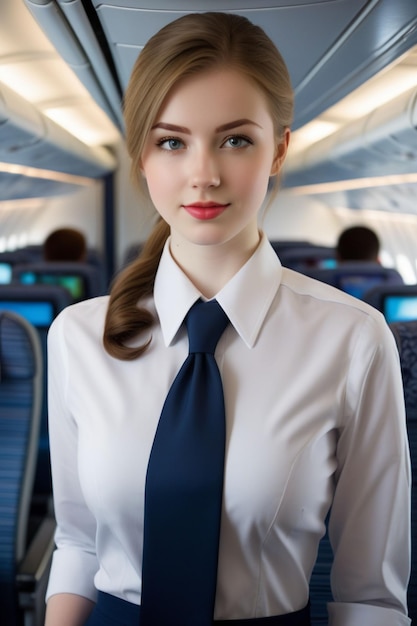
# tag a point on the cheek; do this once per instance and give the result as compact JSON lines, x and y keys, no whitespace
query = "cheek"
{"x":253,"y":180}
{"x":160,"y":183}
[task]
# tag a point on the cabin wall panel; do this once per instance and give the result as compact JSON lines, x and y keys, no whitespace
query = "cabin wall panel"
{"x":299,"y":217}
{"x":25,"y":222}
{"x":81,"y":209}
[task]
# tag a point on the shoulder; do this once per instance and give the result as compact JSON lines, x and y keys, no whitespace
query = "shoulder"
{"x":83,"y":318}
{"x":320,"y":292}
{"x":319,"y":302}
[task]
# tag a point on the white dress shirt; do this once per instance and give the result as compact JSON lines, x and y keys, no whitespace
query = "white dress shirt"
{"x":315,"y":418}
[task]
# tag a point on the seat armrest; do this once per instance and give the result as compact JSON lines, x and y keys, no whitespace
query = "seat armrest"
{"x":38,"y":555}
{"x":33,"y":574}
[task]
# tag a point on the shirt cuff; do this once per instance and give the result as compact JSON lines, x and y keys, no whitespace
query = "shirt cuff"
{"x":73,"y":571}
{"x":353,"y":614}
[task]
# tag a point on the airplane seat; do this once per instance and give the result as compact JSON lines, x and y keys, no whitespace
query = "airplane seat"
{"x":95,"y":258}
{"x":398,"y":303}
{"x":7,"y":261}
{"x":405,"y":334}
{"x":39,"y":304}
{"x":356,"y":277}
{"x":21,"y":390}
{"x":307,"y":256}
{"x":131,"y":253}
{"x":33,"y":251}
{"x":83,"y":280}
{"x":281,"y":245}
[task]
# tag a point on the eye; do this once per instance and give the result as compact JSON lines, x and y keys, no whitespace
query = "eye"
{"x":170,"y":144}
{"x":237,"y":141}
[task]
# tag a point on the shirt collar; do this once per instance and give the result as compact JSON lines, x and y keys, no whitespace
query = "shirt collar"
{"x":246,"y":298}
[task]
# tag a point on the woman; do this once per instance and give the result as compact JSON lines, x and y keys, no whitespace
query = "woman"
{"x":312,"y":388}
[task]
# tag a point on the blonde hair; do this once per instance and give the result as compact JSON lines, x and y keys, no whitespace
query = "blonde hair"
{"x":190,"y":45}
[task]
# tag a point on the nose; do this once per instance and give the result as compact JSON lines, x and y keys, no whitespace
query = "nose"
{"x":204,"y":170}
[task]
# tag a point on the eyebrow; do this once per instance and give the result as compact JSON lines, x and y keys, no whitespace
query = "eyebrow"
{"x":219,"y":129}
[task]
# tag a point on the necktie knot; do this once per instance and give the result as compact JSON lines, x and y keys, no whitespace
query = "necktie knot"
{"x":206,"y":322}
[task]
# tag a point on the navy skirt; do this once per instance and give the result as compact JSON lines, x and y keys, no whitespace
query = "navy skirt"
{"x":112,"y":611}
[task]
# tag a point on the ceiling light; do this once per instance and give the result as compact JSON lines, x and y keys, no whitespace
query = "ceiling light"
{"x":33,"y":172}
{"x":391,"y":82}
{"x":90,"y":125}
{"x":378,"y":91}
{"x":52,"y":87}
{"x":357,"y":183}
{"x":310,"y":133}
{"x":39,"y":78}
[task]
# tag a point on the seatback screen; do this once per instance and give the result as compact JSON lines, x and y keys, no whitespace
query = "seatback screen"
{"x":40,"y":314}
{"x":400,"y":308}
{"x":74,"y":284}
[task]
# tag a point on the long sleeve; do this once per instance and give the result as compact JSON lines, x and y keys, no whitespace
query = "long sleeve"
{"x":74,"y":563}
{"x":369,"y":525}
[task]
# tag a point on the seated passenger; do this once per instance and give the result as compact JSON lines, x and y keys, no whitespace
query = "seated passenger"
{"x":65,"y":244}
{"x":358,"y":243}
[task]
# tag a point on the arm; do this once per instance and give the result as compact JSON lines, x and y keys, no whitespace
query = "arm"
{"x":67,"y":609}
{"x":370,"y":519}
{"x":74,"y":561}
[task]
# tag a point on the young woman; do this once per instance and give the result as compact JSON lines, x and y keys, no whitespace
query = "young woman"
{"x":312,"y":388}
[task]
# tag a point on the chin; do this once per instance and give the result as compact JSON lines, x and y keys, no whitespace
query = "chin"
{"x":205,"y":235}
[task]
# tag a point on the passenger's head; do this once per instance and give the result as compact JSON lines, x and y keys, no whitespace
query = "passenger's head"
{"x":65,"y":244}
{"x":358,"y":243}
{"x":195,"y":44}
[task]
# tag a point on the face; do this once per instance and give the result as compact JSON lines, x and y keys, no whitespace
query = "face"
{"x":208,"y":159}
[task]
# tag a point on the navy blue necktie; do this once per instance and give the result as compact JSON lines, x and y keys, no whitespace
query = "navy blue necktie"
{"x":184,"y":485}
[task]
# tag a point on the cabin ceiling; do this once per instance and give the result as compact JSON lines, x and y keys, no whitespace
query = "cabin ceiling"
{"x":87,"y":49}
{"x":330,"y":46}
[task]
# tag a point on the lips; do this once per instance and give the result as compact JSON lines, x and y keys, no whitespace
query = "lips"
{"x":205,"y":210}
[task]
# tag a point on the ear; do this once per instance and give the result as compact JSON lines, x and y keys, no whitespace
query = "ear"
{"x":280,"y":152}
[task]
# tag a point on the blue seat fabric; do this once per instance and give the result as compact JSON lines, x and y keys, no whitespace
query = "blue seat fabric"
{"x":20,"y":396}
{"x":405,"y":334}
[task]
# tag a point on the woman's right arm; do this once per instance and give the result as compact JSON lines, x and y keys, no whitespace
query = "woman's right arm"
{"x":71,"y":591}
{"x":67,"y":609}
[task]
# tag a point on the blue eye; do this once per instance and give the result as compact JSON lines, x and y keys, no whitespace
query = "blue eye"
{"x":170,"y":143}
{"x":238,"y":141}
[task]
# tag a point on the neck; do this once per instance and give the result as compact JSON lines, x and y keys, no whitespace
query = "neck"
{"x":210,"y":267}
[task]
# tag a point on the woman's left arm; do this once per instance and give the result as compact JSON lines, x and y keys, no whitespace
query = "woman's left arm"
{"x":370,"y":519}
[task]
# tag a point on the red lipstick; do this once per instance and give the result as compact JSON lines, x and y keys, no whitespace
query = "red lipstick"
{"x":205,"y":210}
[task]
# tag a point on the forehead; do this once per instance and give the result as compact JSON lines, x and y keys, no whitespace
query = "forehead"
{"x":214,"y":95}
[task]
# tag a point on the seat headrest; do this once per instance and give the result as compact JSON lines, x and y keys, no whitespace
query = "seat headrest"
{"x":405,"y":334}
{"x":16,"y":352}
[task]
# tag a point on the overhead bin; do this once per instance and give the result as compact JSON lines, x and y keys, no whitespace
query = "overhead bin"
{"x":382,"y":143}
{"x":75,"y":37}
{"x":27,"y":137}
{"x":101,"y":40}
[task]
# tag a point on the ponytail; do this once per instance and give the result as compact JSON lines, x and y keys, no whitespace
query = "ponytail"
{"x":125,"y":320}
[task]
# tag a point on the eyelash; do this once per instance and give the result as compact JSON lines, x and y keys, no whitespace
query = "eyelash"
{"x":164,"y":140}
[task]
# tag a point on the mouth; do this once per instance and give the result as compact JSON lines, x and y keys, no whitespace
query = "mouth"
{"x":205,"y":210}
